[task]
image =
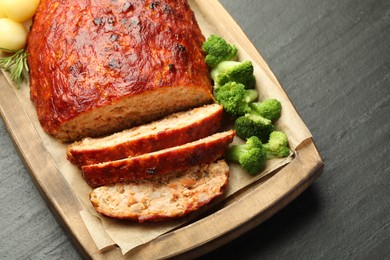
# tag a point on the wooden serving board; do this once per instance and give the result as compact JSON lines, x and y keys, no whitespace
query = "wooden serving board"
{"x":233,"y":217}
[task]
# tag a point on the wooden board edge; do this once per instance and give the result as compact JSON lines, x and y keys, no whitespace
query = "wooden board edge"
{"x":260,"y":218}
{"x":54,"y":189}
{"x":188,"y":242}
{"x":70,"y":219}
{"x":66,"y":206}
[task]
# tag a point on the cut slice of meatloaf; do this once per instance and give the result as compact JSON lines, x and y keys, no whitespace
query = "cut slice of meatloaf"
{"x":173,"y":130}
{"x":167,"y":197}
{"x":98,"y":67}
{"x":161,"y":162}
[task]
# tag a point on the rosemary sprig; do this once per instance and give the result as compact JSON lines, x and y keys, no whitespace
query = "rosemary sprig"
{"x":15,"y":65}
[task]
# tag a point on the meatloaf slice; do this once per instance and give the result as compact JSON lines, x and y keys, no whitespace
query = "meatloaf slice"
{"x":167,"y":197}
{"x":173,"y":130}
{"x":98,"y":67}
{"x":161,"y":162}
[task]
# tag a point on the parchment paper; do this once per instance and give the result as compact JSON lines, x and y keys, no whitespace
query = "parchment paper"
{"x":127,"y":235}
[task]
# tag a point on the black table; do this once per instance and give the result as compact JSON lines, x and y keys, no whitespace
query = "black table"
{"x":333,"y":59}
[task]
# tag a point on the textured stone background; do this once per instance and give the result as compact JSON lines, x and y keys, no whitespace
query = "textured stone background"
{"x":333,"y":59}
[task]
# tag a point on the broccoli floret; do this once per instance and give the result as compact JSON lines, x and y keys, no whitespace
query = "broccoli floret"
{"x":218,"y":50}
{"x":269,"y":108}
{"x":259,"y":120}
{"x":277,"y":145}
{"x":251,"y":155}
{"x":235,"y":98}
{"x":253,"y":125}
{"x":240,"y":72}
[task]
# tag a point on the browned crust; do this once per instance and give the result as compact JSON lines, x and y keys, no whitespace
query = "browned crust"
{"x":184,"y":193}
{"x":89,"y":60}
{"x":172,"y":136}
{"x":165,"y":161}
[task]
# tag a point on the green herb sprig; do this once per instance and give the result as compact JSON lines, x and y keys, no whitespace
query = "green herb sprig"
{"x":15,"y":65}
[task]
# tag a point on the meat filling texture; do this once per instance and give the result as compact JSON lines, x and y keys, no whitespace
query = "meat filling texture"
{"x":171,"y":196}
{"x":97,"y":67}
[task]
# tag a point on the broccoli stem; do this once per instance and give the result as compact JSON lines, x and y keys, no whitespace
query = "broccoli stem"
{"x":223,"y":66}
{"x":251,"y":156}
{"x":251,"y":95}
{"x":234,"y":152}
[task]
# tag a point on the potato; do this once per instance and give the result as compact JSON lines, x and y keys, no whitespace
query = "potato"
{"x":13,"y":35}
{"x":19,"y":10}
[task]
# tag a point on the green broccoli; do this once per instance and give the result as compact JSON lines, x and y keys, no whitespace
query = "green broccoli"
{"x":277,"y":145}
{"x":258,"y":121}
{"x":269,"y":108}
{"x":240,"y":72}
{"x":251,"y":155}
{"x":235,"y":98}
{"x":253,"y":125}
{"x":218,"y":50}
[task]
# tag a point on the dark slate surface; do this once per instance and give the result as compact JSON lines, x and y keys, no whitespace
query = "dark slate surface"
{"x":333,"y":59}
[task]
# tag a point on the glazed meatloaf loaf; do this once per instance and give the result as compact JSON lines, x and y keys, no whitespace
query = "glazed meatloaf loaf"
{"x":176,"y":129}
{"x":171,"y":196}
{"x":159,"y":163}
{"x":98,"y":67}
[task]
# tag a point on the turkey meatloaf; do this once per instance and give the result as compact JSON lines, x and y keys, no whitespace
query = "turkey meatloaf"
{"x":97,"y":67}
{"x":170,"y":196}
{"x":159,"y":163}
{"x":176,"y":129}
